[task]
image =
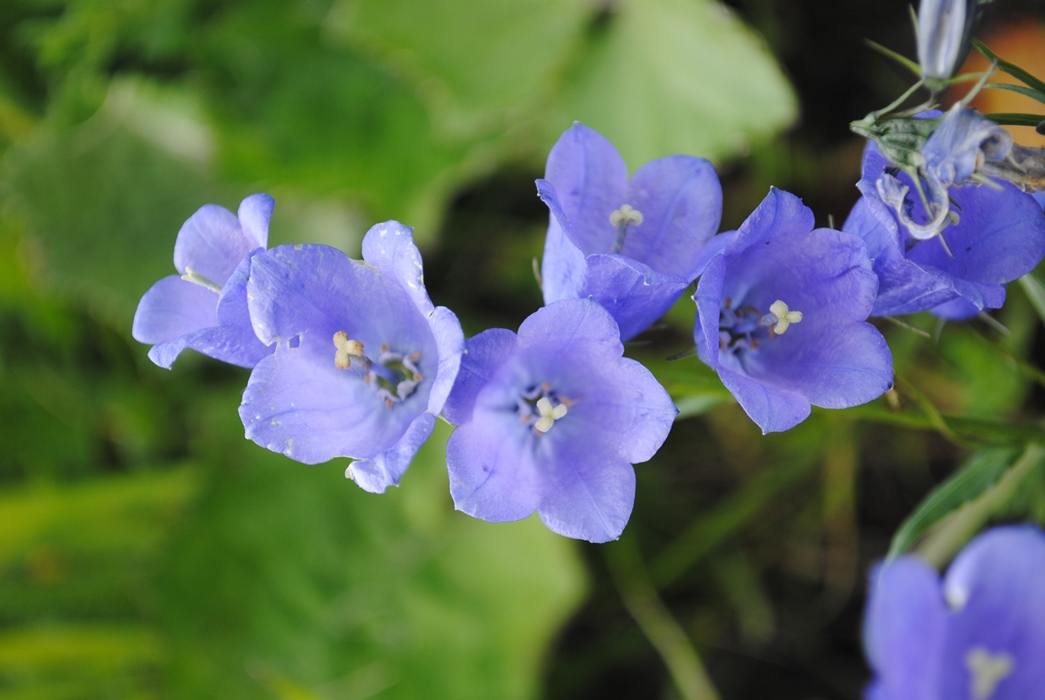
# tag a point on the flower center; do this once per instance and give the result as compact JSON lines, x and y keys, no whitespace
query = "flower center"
{"x":986,"y":671}
{"x":394,"y":376}
{"x":744,"y":327}
{"x":621,"y":219}
{"x":540,"y":407}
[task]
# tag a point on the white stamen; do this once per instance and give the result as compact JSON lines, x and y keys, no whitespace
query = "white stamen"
{"x":196,"y":278}
{"x":785,"y":316}
{"x":626,"y":215}
{"x":548,"y":414}
{"x":986,"y":671}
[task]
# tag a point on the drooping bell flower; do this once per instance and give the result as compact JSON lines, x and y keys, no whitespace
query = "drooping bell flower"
{"x":204,"y":307}
{"x":632,"y":244}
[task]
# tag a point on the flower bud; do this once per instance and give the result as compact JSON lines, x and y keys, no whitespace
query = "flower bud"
{"x":944,"y":31}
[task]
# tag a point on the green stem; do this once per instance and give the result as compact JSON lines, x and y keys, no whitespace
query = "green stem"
{"x":656,"y":622}
{"x":959,"y":527}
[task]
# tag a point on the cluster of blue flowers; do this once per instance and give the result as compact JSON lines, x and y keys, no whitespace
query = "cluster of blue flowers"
{"x":351,"y":358}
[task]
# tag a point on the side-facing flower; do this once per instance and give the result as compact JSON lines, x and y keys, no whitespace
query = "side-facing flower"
{"x":204,"y":307}
{"x":363,"y":360}
{"x":633,"y":244}
{"x":999,"y":236}
{"x":551,"y":420}
{"x":962,"y":144}
{"x":781,"y":316}
{"x":976,"y":635}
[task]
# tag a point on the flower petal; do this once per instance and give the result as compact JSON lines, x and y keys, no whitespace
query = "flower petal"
{"x":211,"y":243}
{"x":681,"y":203}
{"x":387,"y":468}
{"x":589,"y":494}
{"x":563,"y":264}
{"x":484,"y":355}
{"x":904,"y":630}
{"x":590,"y":178}
{"x":634,"y":294}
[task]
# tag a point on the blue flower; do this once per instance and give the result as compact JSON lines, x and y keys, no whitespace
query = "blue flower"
{"x":363,"y":360}
{"x":976,"y":634}
{"x":781,"y":316}
{"x":552,"y":420}
{"x":999,"y":236}
{"x":633,"y":245}
{"x":205,"y":307}
{"x":962,"y":143}
{"x":944,"y":30}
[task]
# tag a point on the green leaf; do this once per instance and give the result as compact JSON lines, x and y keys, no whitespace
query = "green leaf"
{"x":1019,"y":89}
{"x":982,"y":473}
{"x":1014,"y":118}
{"x":471,"y":61}
{"x":1010,"y":68}
{"x":290,"y":576}
{"x":676,"y":76}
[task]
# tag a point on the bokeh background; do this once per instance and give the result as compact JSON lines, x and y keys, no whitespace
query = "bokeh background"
{"x":147,"y":550}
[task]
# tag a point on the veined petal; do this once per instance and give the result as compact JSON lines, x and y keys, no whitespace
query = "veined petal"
{"x":558,"y":327}
{"x":299,"y":404}
{"x":387,"y":468}
{"x":563,"y":265}
{"x":211,"y":244}
{"x":634,"y":294}
{"x":681,"y":203}
{"x":484,"y":354}
{"x":772,"y":409}
{"x":173,"y":307}
{"x":492,"y":471}
{"x":588,"y":494}
{"x":590,"y":178}
{"x":254,"y":214}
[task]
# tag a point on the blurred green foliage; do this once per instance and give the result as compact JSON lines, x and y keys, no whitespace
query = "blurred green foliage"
{"x":147,"y":550}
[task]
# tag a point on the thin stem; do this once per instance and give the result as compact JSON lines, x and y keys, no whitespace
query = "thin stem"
{"x":656,"y":622}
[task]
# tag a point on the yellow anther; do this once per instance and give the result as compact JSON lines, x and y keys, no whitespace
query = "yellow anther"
{"x":785,"y":316}
{"x":346,"y":350}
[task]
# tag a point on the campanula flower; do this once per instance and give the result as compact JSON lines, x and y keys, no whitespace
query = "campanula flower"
{"x":962,"y":144}
{"x":781,"y":316}
{"x":975,"y":635}
{"x":633,"y":245}
{"x":998,"y":236}
{"x":363,"y":361}
{"x":204,"y":307}
{"x":551,"y":420}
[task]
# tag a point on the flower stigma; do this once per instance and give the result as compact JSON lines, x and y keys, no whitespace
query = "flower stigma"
{"x":780,"y":317}
{"x":621,"y":219}
{"x":540,"y":406}
{"x":744,"y":327}
{"x":394,"y":376}
{"x":986,"y":671}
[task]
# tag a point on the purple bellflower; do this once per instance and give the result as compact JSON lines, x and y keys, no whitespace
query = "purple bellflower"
{"x":975,"y":635}
{"x":781,"y":316}
{"x":363,"y":360}
{"x":551,"y":420}
{"x":204,"y":307}
{"x":999,"y":236}
{"x":633,"y":244}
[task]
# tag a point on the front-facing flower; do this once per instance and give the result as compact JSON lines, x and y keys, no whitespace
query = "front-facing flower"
{"x":634,"y":245}
{"x":551,"y":420}
{"x":781,"y":316}
{"x":975,"y":635}
{"x":363,"y":360}
{"x":204,"y":307}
